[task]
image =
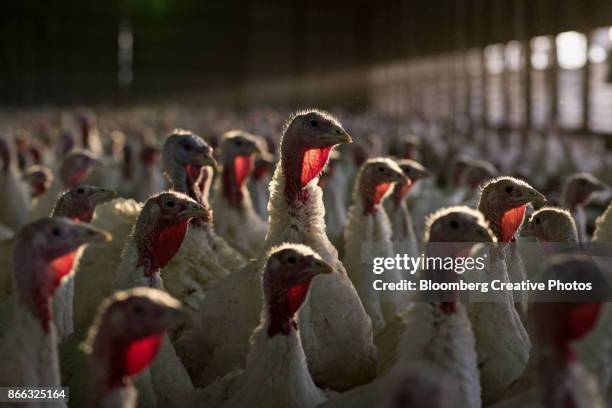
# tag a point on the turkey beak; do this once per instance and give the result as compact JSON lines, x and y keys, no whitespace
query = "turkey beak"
{"x":531,"y":195}
{"x":87,"y":234}
{"x":335,"y":137}
{"x":102,"y":196}
{"x":315,"y":267}
{"x":205,"y":158}
{"x":425,"y":174}
{"x":195,"y":210}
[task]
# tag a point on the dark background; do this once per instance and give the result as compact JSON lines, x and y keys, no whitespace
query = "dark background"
{"x":249,"y":51}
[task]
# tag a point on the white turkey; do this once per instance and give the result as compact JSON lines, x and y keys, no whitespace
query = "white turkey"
{"x":335,"y":330}
{"x":15,"y":203}
{"x":235,"y":218}
{"x":368,"y":235}
{"x":498,"y":327}
{"x":397,"y":207}
{"x":74,"y":168}
{"x":577,"y":192}
{"x":204,"y":257}
{"x":276,"y":373}
{"x":41,"y":258}
{"x":433,"y":330}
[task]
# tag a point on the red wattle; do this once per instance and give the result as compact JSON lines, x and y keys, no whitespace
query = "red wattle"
{"x":242,"y":168}
{"x":167,"y":243}
{"x":76,"y":178}
{"x":511,"y":221}
{"x":61,"y":267}
{"x":193,"y":172}
{"x":140,"y":353}
{"x":313,"y":162}
{"x":381,"y":189}
{"x":296,"y":296}
{"x":582,"y":318}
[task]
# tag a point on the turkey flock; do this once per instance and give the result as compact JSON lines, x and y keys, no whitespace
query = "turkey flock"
{"x":145,"y":265}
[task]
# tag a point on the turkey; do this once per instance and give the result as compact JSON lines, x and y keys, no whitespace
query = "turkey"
{"x":276,"y":374}
{"x":204,"y":257}
{"x":577,"y":191}
{"x":433,"y":330}
{"x":554,"y":228}
{"x":43,"y":254}
{"x":235,"y":218}
{"x":397,"y":208}
{"x":333,"y":201}
{"x":149,"y":179}
{"x":95,"y":272}
{"x":368,"y":235}
{"x":75,"y":167}
{"x":78,"y":205}
{"x":15,"y":203}
{"x":498,"y":327}
{"x":336,"y":332}
{"x":156,"y":238}
{"x":563,"y":379}
{"x":123,"y":341}
{"x":39,"y":179}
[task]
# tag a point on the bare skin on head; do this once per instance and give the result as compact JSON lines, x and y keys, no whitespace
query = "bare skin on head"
{"x":185,"y":157}
{"x":39,"y":178}
{"x":79,"y":203}
{"x":287,"y":278}
{"x":374,"y":181}
{"x":414,"y":171}
{"x":76,"y":167}
{"x":43,"y":255}
{"x":452,"y":232}
{"x":552,"y":224}
{"x":238,"y":149}
{"x":579,"y":188}
{"x":161,"y":228}
{"x":124,"y":340}
{"x":305,"y":147}
{"x":503,"y":202}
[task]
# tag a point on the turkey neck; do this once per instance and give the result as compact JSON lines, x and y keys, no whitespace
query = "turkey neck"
{"x":190,"y":179}
{"x":236,"y":169}
{"x":504,"y":222}
{"x":372,"y":195}
{"x":400,"y":191}
{"x":34,"y":296}
{"x":300,"y":165}
{"x":157,"y":243}
{"x":282,"y":306}
{"x":193,"y":181}
{"x":444,"y":300}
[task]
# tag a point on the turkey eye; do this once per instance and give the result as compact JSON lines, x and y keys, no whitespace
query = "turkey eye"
{"x":454,"y":224}
{"x":80,"y":191}
{"x":187,"y":146}
{"x":291,"y":260}
{"x":138,"y":309}
{"x":314,"y":124}
{"x":238,"y":142}
{"x":56,"y":232}
{"x":381,"y":169}
{"x":170,"y":204}
{"x":508,"y":189}
{"x":537,"y":220}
